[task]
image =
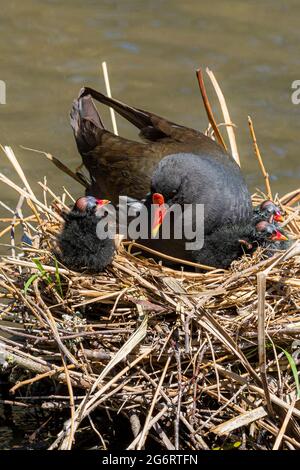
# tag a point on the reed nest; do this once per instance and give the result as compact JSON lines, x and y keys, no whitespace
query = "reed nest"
{"x":193,"y":360}
{"x":144,"y":356}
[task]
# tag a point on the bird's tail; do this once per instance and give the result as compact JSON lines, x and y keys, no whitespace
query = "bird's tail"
{"x":152,"y":127}
{"x":86,"y":123}
{"x":137,"y":117}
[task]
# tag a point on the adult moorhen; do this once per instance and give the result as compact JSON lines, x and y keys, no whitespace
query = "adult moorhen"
{"x":186,"y":179}
{"x":123,"y":167}
{"x":178,"y":180}
{"x":79,"y":245}
{"x":222,"y":244}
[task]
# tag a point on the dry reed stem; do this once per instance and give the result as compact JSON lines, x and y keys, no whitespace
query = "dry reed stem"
{"x":146,"y":428}
{"x":183,"y":262}
{"x":228,"y":122}
{"x":61,"y":166}
{"x":284,"y":425}
{"x":259,"y":158}
{"x":208,"y":109}
{"x":244,"y":419}
{"x":38,"y":377}
{"x":108,"y":92}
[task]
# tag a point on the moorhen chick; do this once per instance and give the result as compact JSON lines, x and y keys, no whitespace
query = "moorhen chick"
{"x":230,"y":242}
{"x":120,"y":166}
{"x":269,"y":211}
{"x":79,"y":245}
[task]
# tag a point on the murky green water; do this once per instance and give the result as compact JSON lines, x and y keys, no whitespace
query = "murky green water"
{"x":50,"y":48}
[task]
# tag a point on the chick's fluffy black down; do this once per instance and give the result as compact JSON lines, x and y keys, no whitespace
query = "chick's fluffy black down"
{"x":80,"y":247}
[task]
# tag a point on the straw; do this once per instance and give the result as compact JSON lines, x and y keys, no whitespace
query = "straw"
{"x":108,"y":92}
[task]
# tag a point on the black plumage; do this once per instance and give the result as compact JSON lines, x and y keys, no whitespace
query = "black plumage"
{"x":230,"y":242}
{"x":216,"y":183}
{"x":80,"y":248}
{"x":186,"y":179}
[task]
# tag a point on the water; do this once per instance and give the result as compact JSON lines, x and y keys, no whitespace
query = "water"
{"x":50,"y":48}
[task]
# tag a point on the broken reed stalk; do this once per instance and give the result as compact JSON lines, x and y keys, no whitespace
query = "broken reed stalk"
{"x":284,"y":425}
{"x":261,"y":335}
{"x":183,"y":262}
{"x":108,"y":92}
{"x":13,"y":160}
{"x":28,"y":196}
{"x":127,"y":278}
{"x":228,"y":122}
{"x":208,"y":109}
{"x":259,"y":158}
{"x":61,"y":166}
{"x":13,"y":224}
{"x":146,"y":428}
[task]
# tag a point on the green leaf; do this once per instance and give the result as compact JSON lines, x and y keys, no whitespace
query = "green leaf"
{"x":237,"y":444}
{"x":42,"y":270}
{"x":294,"y":369}
{"x":29,"y":282}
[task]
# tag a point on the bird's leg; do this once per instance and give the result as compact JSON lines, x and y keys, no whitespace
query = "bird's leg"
{"x":246,"y":244}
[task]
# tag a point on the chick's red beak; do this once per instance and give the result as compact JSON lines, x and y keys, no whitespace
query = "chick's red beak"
{"x":278,"y":217}
{"x":160,"y":211}
{"x":102,"y":202}
{"x":278,"y":236}
{"x":99,"y":209}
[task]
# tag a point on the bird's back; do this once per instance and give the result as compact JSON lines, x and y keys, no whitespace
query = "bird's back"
{"x":214,"y":181}
{"x":120,"y":166}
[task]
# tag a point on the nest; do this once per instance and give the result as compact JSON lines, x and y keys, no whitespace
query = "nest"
{"x":143,"y":356}
{"x":175,"y":358}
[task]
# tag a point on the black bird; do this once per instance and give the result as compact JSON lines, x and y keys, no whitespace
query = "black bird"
{"x":219,"y":187}
{"x":177,"y":180}
{"x":185,"y":180}
{"x":222,"y":245}
{"x":79,"y":244}
{"x":123,"y":167}
{"x":269,"y":211}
